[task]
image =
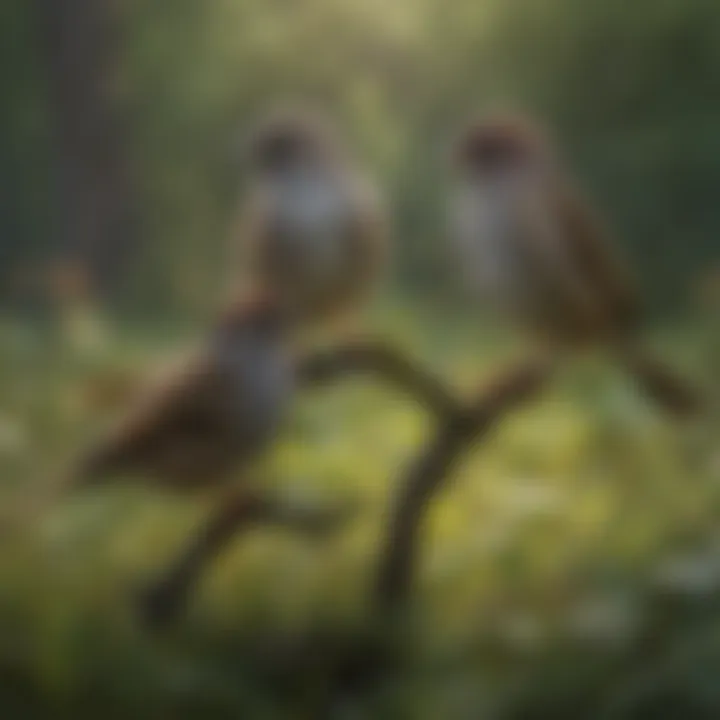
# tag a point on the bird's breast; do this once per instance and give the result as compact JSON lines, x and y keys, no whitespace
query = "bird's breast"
{"x":257,"y":389}
{"x":312,"y":215}
{"x":487,"y":236}
{"x":317,"y":225}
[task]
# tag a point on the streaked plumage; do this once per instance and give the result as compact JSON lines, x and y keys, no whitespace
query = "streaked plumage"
{"x":216,"y":410}
{"x":314,"y":227}
{"x":529,"y":244}
{"x":531,"y":247}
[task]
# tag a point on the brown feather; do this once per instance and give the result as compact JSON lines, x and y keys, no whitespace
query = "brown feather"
{"x":313,"y":231}
{"x":214,"y":410}
{"x":663,"y":385}
{"x":537,"y":246}
{"x":598,"y":264}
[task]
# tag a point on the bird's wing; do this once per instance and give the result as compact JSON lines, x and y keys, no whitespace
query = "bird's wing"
{"x":543,"y":247}
{"x":248,"y":229}
{"x":369,"y":224}
{"x":597,"y":261}
{"x":267,"y":251}
{"x":170,"y":403}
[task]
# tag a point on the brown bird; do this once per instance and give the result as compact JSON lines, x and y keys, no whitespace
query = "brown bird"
{"x":201,"y":427}
{"x":313,"y":244}
{"x":217,"y":409}
{"x":534,"y":250}
{"x":313,"y":229}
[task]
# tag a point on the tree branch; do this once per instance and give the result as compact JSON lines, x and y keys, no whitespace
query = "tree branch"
{"x":165,"y":598}
{"x":362,"y":666}
{"x":431,"y":470}
{"x":384,"y":362}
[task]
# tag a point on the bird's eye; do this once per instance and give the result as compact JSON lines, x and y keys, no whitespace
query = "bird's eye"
{"x":277,"y":150}
{"x":491,"y":154}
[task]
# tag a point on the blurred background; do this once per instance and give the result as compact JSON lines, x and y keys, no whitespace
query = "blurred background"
{"x":573,"y":568}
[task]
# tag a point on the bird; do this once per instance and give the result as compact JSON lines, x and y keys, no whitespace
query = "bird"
{"x":202,"y":427}
{"x":313,"y":226}
{"x":312,"y":240}
{"x":218,"y":407}
{"x":532,"y":248}
{"x":313,"y":249}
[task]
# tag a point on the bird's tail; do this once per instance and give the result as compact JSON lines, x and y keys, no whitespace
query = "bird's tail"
{"x":662,"y":384}
{"x":26,"y":511}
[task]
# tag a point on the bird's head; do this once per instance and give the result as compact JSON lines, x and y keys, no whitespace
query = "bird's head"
{"x":290,"y":141}
{"x":500,"y":146}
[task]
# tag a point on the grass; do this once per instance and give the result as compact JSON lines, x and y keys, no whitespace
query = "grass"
{"x":571,"y":569}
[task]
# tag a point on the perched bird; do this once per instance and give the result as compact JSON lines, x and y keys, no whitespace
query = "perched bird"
{"x":201,"y":427}
{"x":312,"y":238}
{"x":313,"y":228}
{"x":532,"y":248}
{"x":219,"y":408}
{"x":313,"y":242}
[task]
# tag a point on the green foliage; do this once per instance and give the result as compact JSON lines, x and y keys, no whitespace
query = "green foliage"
{"x":629,"y":88}
{"x":568,"y":570}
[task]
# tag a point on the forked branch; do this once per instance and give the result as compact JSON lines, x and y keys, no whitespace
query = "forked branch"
{"x":236,"y":513}
{"x":361,"y":666}
{"x":431,"y":470}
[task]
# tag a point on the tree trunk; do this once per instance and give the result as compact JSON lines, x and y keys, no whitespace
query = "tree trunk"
{"x":94,"y":223}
